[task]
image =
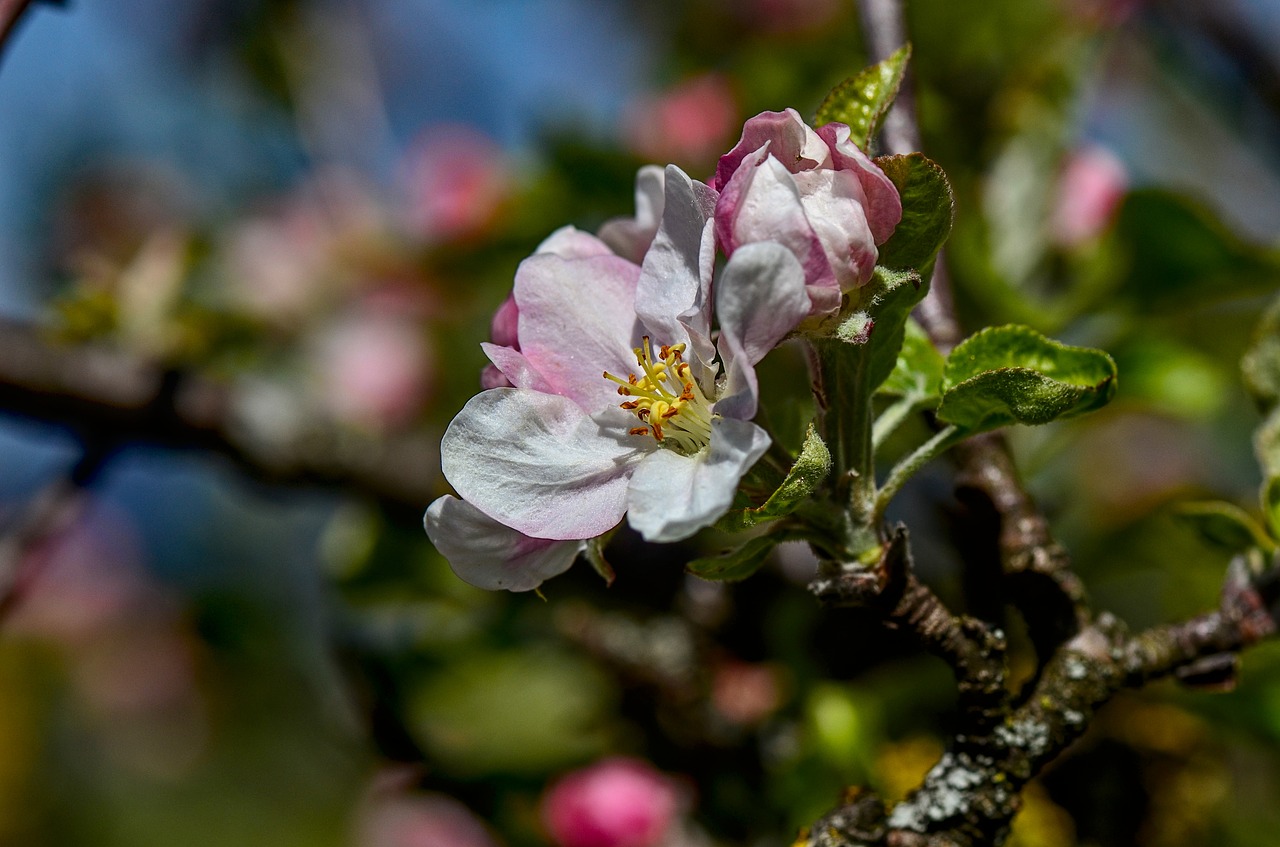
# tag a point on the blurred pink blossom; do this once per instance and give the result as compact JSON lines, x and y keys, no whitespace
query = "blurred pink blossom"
{"x":746,"y":693}
{"x":458,"y":179}
{"x":130,"y":655}
{"x":614,"y":803}
{"x":1090,"y":188}
{"x":291,"y":258}
{"x":376,"y":368}
{"x":688,"y":123}
{"x":395,"y":816}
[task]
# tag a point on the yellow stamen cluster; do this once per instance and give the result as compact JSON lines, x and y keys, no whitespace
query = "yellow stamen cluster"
{"x":667,"y":400}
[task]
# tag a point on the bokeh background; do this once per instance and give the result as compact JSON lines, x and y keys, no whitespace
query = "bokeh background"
{"x":311,"y":208}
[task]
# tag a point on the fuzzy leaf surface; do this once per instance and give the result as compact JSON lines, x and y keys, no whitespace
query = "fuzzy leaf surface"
{"x":1012,"y":374}
{"x":862,"y":100}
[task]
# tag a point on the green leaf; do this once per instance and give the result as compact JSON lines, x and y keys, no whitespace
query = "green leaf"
{"x":862,"y":100}
{"x":1261,"y":362}
{"x":928,"y":206}
{"x":888,"y":301}
{"x":738,"y":562}
{"x":1179,"y":253}
{"x":525,"y":711}
{"x":1266,"y":444}
{"x":1012,"y":374}
{"x":919,"y":369}
{"x":807,"y":473}
{"x":1225,"y":525}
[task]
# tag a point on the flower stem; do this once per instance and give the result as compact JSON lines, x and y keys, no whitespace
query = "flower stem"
{"x":907,"y":467}
{"x":841,"y":372}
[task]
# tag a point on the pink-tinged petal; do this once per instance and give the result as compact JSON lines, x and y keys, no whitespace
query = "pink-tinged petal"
{"x":832,"y":202}
{"x":537,"y":463}
{"x":503,"y":329}
{"x":673,"y":496}
{"x":790,"y":140}
{"x":487,"y":554}
{"x":672,"y":296}
{"x":491,"y":377}
{"x":514,"y":369}
{"x":883,"y":204}
{"x":569,"y":242}
{"x":631,"y":237}
{"x":762,"y":203}
{"x":578,"y":320}
{"x":761,"y":297}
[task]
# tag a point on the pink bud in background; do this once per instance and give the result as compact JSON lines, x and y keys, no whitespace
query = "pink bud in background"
{"x":1092,"y":184}
{"x":688,"y":123}
{"x":613,"y":803}
{"x":376,"y":369}
{"x":458,"y":178}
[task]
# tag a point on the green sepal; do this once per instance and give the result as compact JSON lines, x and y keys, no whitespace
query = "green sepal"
{"x":928,"y":206}
{"x":919,"y":369}
{"x":739,"y":562}
{"x":862,"y":100}
{"x":1225,"y":525}
{"x":886,"y":302}
{"x":1013,"y":374}
{"x":807,"y":473}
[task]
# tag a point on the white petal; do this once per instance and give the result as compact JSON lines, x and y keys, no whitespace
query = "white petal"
{"x":673,"y":496}
{"x":630,"y":237}
{"x":536,"y":463}
{"x":487,"y":554}
{"x":578,"y":320}
{"x":672,"y":296}
{"x":569,"y":242}
{"x":761,"y":297}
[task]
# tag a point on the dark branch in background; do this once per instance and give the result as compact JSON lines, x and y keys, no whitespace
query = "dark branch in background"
{"x":115,"y":399}
{"x":1003,"y":740}
{"x":11,"y":11}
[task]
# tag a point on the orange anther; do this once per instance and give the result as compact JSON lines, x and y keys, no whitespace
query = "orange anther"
{"x":640,"y":430}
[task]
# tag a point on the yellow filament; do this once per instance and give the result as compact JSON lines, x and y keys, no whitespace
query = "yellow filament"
{"x":667,"y":399}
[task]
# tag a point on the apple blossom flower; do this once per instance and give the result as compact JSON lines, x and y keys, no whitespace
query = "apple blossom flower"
{"x":812,"y":191}
{"x":616,"y":802}
{"x":557,"y":457}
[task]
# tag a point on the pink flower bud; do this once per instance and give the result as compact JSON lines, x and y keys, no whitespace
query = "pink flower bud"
{"x":812,"y":191}
{"x":613,"y":803}
{"x":1091,"y":186}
